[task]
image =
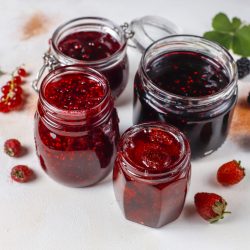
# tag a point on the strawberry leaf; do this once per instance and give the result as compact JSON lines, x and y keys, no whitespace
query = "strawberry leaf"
{"x":219,"y":37}
{"x":222,"y":23}
{"x":241,"y":41}
{"x":236,"y":22}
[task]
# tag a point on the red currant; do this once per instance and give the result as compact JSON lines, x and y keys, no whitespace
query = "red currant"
{"x":18,"y":90}
{"x":3,"y":107}
{"x":5,"y":89}
{"x":17,"y":79}
{"x":22,"y":72}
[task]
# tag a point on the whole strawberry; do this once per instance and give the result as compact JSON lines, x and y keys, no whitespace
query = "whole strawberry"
{"x":210,"y":206}
{"x":230,"y":173}
{"x":21,"y":173}
{"x":12,"y":147}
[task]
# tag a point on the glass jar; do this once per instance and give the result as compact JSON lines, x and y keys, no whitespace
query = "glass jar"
{"x":151,"y":173}
{"x":101,"y":44}
{"x":76,"y":126}
{"x":204,"y":116}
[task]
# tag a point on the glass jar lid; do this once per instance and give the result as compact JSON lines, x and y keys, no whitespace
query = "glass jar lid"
{"x":148,"y":29}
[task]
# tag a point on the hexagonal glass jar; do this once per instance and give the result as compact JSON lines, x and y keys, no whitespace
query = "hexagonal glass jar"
{"x":148,"y":193}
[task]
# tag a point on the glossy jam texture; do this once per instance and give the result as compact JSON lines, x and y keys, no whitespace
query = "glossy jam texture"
{"x":89,"y":45}
{"x":72,"y":152}
{"x":149,"y":187}
{"x":187,"y":74}
{"x":74,"y":91}
{"x":153,"y":150}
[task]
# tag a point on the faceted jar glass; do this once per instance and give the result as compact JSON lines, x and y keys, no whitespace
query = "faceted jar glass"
{"x":114,"y":66}
{"x":151,"y":173}
{"x":76,"y":147}
{"x":205,"y":120}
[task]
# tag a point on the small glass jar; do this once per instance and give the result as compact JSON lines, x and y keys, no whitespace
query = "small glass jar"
{"x":151,"y":173}
{"x":100,"y":35}
{"x":205,"y":120}
{"x":76,"y":134}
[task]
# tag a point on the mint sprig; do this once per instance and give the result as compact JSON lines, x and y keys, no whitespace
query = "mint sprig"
{"x":232,"y":34}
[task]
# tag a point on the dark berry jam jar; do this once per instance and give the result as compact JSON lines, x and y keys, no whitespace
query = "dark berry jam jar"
{"x":76,"y":126}
{"x":191,"y":83}
{"x":152,"y":173}
{"x":95,"y":42}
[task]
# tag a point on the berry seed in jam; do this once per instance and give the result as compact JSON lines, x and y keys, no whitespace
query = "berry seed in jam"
{"x":151,"y":173}
{"x":89,"y":45}
{"x":187,"y":73}
{"x":76,"y":126}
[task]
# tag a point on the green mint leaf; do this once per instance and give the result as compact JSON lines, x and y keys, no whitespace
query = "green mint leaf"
{"x":222,"y":23}
{"x":219,"y":37}
{"x":241,"y":41}
{"x":236,"y":22}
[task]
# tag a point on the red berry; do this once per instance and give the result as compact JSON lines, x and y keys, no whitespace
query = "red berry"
{"x":12,"y":147}
{"x":21,"y":173}
{"x":230,"y":173}
{"x":210,"y":206}
{"x":3,"y":107}
{"x":18,"y":90}
{"x":22,"y":72}
{"x":17,"y":79}
{"x":5,"y":89}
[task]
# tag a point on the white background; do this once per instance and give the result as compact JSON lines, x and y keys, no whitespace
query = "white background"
{"x":45,"y":215}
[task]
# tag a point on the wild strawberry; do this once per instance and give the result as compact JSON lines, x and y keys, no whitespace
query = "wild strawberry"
{"x":12,"y":147}
{"x":21,"y":173}
{"x":230,"y":173}
{"x":210,"y":206}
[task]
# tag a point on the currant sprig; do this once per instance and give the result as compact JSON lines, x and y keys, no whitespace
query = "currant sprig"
{"x":12,"y":93}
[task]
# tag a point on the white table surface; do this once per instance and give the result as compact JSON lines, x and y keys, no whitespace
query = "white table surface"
{"x":48,"y":216}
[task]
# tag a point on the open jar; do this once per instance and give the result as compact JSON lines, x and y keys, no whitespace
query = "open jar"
{"x":76,"y":126}
{"x":151,"y":173}
{"x":101,"y":44}
{"x":191,"y":83}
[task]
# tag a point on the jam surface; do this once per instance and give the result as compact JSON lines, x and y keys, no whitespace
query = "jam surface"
{"x":187,"y":74}
{"x":153,"y":150}
{"x":89,"y":45}
{"x":74,"y":91}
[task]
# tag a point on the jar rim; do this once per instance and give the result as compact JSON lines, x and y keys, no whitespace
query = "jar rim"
{"x":108,"y":22}
{"x":177,"y":166}
{"x":73,"y":68}
{"x":208,"y":98}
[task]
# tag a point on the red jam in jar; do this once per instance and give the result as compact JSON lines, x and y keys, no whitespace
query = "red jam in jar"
{"x":190,"y":83}
{"x":152,"y":173}
{"x":97,"y":43}
{"x":76,"y":126}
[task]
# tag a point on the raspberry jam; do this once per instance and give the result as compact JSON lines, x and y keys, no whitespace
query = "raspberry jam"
{"x":76,"y":126}
{"x":151,"y":173}
{"x":97,"y":43}
{"x":190,"y":83}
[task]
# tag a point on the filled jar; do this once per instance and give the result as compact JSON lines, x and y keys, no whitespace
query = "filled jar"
{"x":191,"y":83}
{"x":76,"y":126}
{"x":95,"y":42}
{"x":151,"y":173}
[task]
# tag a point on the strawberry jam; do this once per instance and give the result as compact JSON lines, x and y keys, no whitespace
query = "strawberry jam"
{"x":76,"y":126}
{"x":151,"y":173}
{"x":97,"y":43}
{"x":193,"y":87}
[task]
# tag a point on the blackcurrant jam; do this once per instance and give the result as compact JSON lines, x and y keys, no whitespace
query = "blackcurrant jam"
{"x":151,"y":173}
{"x":76,"y":126}
{"x":190,"y":83}
{"x":94,"y":42}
